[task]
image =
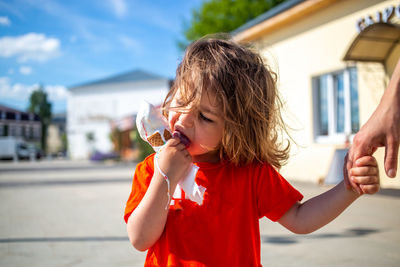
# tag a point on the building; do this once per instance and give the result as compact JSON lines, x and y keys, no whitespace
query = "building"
{"x":20,"y":124}
{"x":56,"y":135}
{"x":93,"y":106}
{"x":334,"y":59}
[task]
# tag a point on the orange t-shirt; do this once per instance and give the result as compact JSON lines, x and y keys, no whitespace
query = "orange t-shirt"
{"x":224,"y":230}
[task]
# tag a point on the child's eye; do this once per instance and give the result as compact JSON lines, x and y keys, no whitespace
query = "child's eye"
{"x":204,"y":118}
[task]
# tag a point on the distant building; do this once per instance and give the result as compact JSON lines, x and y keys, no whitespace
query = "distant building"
{"x":20,"y":124}
{"x":56,"y":133}
{"x":93,"y":106}
{"x":334,"y":60}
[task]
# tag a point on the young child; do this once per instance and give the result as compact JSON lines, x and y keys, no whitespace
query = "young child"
{"x":225,"y":102}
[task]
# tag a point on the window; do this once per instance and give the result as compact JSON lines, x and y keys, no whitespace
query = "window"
{"x":5,"y":130}
{"x":336,"y":115}
{"x":10,"y":115}
{"x":25,"y":116}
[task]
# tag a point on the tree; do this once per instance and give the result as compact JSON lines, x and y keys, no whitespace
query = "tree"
{"x":39,"y":105}
{"x":223,"y":16}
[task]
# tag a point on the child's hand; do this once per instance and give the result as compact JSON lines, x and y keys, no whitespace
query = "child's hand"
{"x":366,"y":175}
{"x":174,"y":160}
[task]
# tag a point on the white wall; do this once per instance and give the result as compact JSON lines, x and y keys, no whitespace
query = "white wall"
{"x":92,"y":108}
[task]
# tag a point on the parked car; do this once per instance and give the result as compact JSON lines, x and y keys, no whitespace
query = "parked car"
{"x":35,"y":152}
{"x":13,"y":148}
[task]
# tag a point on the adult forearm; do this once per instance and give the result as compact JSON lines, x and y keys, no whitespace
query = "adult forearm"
{"x":322,"y":209}
{"x":147,"y":222}
{"x":394,"y":84}
{"x":391,"y":96}
{"x":381,"y":129}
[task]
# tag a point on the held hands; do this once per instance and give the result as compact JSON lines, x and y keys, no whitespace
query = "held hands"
{"x":382,"y":129}
{"x":364,"y":173}
{"x":174,"y":160}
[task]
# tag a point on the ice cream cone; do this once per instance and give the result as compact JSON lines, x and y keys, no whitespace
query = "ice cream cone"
{"x":156,"y":139}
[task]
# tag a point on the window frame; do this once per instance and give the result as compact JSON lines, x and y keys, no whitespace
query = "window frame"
{"x":333,"y":136}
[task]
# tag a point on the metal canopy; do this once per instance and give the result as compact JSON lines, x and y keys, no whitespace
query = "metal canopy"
{"x":374,"y":43}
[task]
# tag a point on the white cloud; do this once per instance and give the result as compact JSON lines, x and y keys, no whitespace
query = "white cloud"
{"x":17,"y":91}
{"x":26,"y":70}
{"x":120,"y":7}
{"x":56,"y":92}
{"x":22,"y":91}
{"x":31,"y":46}
{"x":5,"y":21}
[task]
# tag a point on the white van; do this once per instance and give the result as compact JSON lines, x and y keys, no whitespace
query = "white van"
{"x":13,"y":148}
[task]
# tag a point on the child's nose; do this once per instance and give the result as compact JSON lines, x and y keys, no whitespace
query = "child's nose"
{"x":186,"y":119}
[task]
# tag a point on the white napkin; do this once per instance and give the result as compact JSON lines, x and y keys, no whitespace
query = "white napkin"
{"x":150,"y":120}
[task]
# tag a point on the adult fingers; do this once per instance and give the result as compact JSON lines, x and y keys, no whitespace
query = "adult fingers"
{"x":391,"y":157}
{"x":363,"y":145}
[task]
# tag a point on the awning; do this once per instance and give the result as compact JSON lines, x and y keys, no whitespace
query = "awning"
{"x":375,"y":43}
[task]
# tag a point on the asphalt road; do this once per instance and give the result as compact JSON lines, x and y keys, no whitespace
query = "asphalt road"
{"x":63,"y":213}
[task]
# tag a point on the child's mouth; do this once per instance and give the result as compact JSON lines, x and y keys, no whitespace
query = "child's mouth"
{"x":184,"y":140}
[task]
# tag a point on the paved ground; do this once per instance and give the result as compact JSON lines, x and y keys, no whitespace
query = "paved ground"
{"x":70,"y":214}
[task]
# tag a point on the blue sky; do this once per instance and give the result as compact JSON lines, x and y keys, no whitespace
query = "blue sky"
{"x":63,"y":43}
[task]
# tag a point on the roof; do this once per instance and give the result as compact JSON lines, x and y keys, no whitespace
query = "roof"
{"x":131,"y":76}
{"x":267,"y":15}
{"x":289,"y":12}
{"x":10,"y":109}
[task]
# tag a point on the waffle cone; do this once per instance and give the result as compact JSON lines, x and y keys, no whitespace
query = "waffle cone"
{"x":156,"y":140}
{"x":167,"y":135}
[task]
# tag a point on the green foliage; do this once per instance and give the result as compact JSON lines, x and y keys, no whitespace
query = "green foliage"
{"x":222,"y":16}
{"x":39,"y":105}
{"x":144,"y":148}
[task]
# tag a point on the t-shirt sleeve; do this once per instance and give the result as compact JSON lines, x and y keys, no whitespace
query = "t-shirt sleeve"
{"x":141,"y":181}
{"x":275,"y":196}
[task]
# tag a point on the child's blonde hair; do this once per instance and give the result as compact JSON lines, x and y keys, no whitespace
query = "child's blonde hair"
{"x":247,"y":93}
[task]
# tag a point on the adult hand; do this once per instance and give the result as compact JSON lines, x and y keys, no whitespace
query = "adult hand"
{"x":382,"y":129}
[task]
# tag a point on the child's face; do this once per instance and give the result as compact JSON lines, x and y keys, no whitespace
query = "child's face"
{"x":202,"y":125}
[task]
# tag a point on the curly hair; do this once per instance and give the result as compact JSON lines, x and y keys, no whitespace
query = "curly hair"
{"x":246,"y":90}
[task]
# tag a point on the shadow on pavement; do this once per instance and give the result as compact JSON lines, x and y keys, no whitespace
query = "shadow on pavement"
{"x":389,"y":192}
{"x":293,"y":239}
{"x":63,"y":182}
{"x":65,"y":239}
